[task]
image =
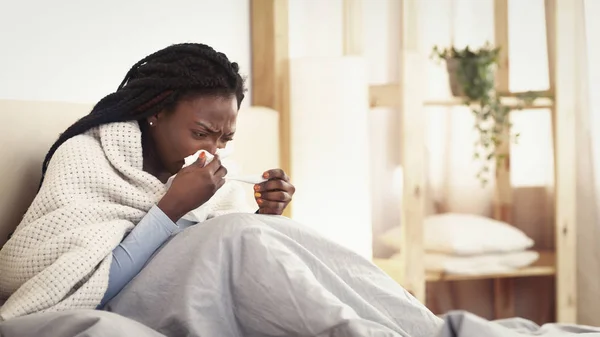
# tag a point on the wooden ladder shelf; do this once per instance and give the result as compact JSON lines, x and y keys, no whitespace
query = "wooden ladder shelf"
{"x":560,"y":99}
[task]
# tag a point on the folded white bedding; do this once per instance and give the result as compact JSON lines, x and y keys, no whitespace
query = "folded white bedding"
{"x":464,"y":234}
{"x":478,"y":264}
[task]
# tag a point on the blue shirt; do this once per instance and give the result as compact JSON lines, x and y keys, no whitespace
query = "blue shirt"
{"x":132,"y":254}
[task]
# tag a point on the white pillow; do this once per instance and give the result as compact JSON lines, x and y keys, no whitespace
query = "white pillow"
{"x":465,"y":234}
{"x":478,"y":264}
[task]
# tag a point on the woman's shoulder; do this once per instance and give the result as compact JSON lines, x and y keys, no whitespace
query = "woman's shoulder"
{"x":83,"y":148}
{"x":82,"y":142}
{"x":111,"y":152}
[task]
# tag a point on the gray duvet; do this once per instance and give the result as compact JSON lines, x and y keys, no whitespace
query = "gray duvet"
{"x":463,"y":324}
{"x":89,"y":323}
{"x":252,"y":275}
{"x":80,"y":323}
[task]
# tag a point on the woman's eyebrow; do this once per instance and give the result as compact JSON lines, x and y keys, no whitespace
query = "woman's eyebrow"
{"x":207,"y":127}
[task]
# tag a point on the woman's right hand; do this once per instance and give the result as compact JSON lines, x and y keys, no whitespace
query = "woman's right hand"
{"x":192,"y":187}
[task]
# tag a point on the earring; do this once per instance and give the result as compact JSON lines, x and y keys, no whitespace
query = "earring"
{"x":151,"y":123}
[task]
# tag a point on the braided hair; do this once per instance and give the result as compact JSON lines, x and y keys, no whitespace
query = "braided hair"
{"x":156,"y":83}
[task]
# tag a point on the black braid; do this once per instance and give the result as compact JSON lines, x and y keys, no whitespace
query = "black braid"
{"x":156,"y":83}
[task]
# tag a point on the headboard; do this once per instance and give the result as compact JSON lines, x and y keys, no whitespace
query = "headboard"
{"x":29,"y":128}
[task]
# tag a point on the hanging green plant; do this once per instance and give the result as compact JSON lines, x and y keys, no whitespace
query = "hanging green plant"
{"x":472,"y":77}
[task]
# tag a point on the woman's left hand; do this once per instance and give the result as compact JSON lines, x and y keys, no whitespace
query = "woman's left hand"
{"x":273,"y":195}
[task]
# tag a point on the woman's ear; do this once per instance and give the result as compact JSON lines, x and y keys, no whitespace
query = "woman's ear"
{"x":152,"y":120}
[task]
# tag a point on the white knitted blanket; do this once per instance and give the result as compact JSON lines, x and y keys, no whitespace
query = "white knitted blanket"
{"x":94,"y":192}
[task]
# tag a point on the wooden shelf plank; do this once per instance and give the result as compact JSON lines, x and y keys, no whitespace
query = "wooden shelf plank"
{"x":504,"y":290}
{"x":353,"y":27}
{"x":544,"y":266}
{"x":538,"y":103}
{"x":570,"y":69}
{"x":386,"y":96}
{"x":412,"y":130}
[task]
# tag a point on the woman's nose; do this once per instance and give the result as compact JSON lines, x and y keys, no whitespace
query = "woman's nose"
{"x":212,"y":149}
{"x":209,"y":146}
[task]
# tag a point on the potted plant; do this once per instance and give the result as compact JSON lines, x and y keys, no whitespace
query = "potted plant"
{"x":471,"y":73}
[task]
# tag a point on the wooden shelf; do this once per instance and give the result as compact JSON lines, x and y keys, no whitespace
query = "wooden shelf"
{"x":513,"y":102}
{"x":384,"y":95}
{"x":387,"y":96}
{"x":565,"y":70}
{"x":544,"y":266}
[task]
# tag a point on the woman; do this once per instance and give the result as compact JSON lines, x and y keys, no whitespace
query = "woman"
{"x":104,"y":214}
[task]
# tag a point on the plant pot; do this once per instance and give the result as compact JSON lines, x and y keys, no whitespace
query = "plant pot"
{"x":455,"y":87}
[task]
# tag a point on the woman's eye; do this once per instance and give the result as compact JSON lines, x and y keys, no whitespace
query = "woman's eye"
{"x":200,"y":134}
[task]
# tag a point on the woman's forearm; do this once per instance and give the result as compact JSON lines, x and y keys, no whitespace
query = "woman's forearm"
{"x":130,"y":256}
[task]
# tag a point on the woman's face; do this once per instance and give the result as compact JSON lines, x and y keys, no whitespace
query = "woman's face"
{"x":198,"y":123}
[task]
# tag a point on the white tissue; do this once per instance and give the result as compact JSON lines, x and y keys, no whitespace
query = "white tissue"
{"x":231,"y":167}
{"x":201,"y":213}
{"x":189,"y":160}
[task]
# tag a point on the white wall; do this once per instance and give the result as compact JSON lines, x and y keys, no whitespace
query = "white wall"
{"x":79,"y":51}
{"x":315,"y":28}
